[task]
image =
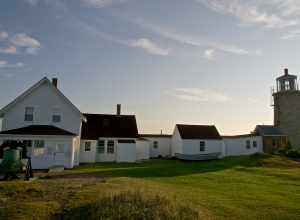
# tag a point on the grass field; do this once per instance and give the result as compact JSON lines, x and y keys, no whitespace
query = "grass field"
{"x":248,"y":187}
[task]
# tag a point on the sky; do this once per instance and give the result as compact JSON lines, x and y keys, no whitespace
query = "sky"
{"x":166,"y":61}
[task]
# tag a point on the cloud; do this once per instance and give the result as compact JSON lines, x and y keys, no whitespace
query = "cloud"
{"x":209,"y":54}
{"x":192,"y":40}
{"x":5,"y":64}
{"x":32,"y":2}
{"x":290,"y":35}
{"x":102,"y":3}
{"x":9,"y":50}
{"x":30,"y":44}
{"x":142,"y":43}
{"x":149,"y":46}
{"x":199,"y":95}
{"x":3,"y":35}
{"x":270,"y":14}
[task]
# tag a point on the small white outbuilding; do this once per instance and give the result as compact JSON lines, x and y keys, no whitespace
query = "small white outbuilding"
{"x":197,"y":142}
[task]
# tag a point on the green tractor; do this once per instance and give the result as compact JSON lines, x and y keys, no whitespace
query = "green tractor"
{"x":12,"y":153}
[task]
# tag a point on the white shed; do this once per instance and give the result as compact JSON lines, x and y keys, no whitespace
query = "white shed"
{"x":197,"y":142}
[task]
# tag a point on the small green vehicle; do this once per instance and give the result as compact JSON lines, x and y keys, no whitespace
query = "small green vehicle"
{"x":12,"y":153}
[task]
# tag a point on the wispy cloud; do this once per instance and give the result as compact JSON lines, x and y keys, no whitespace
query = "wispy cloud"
{"x":290,"y":35}
{"x":9,"y":50}
{"x":5,"y":64}
{"x":3,"y":35}
{"x":192,"y":40}
{"x":209,"y":54}
{"x":199,"y":95}
{"x":145,"y":44}
{"x":149,"y":46}
{"x":102,"y":3}
{"x":30,"y":44}
{"x":270,"y":14}
{"x":32,"y":2}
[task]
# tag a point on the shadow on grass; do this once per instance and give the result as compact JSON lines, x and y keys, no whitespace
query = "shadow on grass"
{"x":169,"y":168}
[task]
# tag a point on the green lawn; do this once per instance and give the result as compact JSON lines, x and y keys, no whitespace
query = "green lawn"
{"x":249,"y":187}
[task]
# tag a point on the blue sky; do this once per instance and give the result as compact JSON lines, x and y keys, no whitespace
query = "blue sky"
{"x":167,"y":61}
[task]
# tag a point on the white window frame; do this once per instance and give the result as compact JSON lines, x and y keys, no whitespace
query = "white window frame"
{"x":87,"y":146}
{"x":101,"y":148}
{"x":155,"y":144}
{"x":202,"y":146}
{"x":248,"y":144}
{"x":56,"y":116}
{"x":29,"y":112}
{"x":110,"y":148}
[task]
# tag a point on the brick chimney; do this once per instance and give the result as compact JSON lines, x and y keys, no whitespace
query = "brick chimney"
{"x":54,"y":82}
{"x":286,"y":71}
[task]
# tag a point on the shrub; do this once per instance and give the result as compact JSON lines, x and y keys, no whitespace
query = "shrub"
{"x":130,"y":205}
{"x":293,"y":153}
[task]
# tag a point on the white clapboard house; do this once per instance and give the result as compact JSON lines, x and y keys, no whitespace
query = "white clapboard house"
{"x":47,"y":122}
{"x":111,"y":138}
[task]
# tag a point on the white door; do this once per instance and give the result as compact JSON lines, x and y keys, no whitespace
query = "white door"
{"x":59,"y":155}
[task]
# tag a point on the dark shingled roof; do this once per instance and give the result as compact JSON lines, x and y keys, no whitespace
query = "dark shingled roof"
{"x":39,"y":130}
{"x":268,"y":130}
{"x":103,"y":125}
{"x":198,"y":132}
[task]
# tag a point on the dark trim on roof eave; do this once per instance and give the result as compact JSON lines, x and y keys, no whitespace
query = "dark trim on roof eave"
{"x":156,"y":135}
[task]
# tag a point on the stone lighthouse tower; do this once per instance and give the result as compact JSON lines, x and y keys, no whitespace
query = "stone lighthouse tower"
{"x":286,"y":99}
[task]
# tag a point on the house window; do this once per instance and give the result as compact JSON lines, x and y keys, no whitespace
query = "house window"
{"x":248,"y":144}
{"x":39,"y":144}
{"x":56,"y":117}
{"x":27,"y":143}
{"x":254,"y":144}
{"x":202,"y":146}
{"x":29,"y":114}
{"x":110,"y":147}
{"x":39,"y":148}
{"x":100,"y":147}
{"x":87,"y":146}
{"x":155,"y":144}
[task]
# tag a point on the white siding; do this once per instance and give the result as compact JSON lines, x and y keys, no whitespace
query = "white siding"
{"x":176,"y":143}
{"x":93,"y":155}
{"x":164,"y":146}
{"x":88,"y":156}
{"x":58,"y":151}
{"x":44,"y":100}
{"x":126,"y":152}
{"x":142,"y":150}
{"x":237,"y":146}
{"x":191,"y":147}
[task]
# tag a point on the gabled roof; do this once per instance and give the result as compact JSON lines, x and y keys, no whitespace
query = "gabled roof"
{"x":104,"y":125}
{"x":208,"y":132}
{"x":43,"y":81}
{"x":268,"y":130}
{"x":38,"y":130}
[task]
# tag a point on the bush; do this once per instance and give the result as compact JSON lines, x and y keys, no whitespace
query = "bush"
{"x":293,"y":154}
{"x":130,"y":205}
